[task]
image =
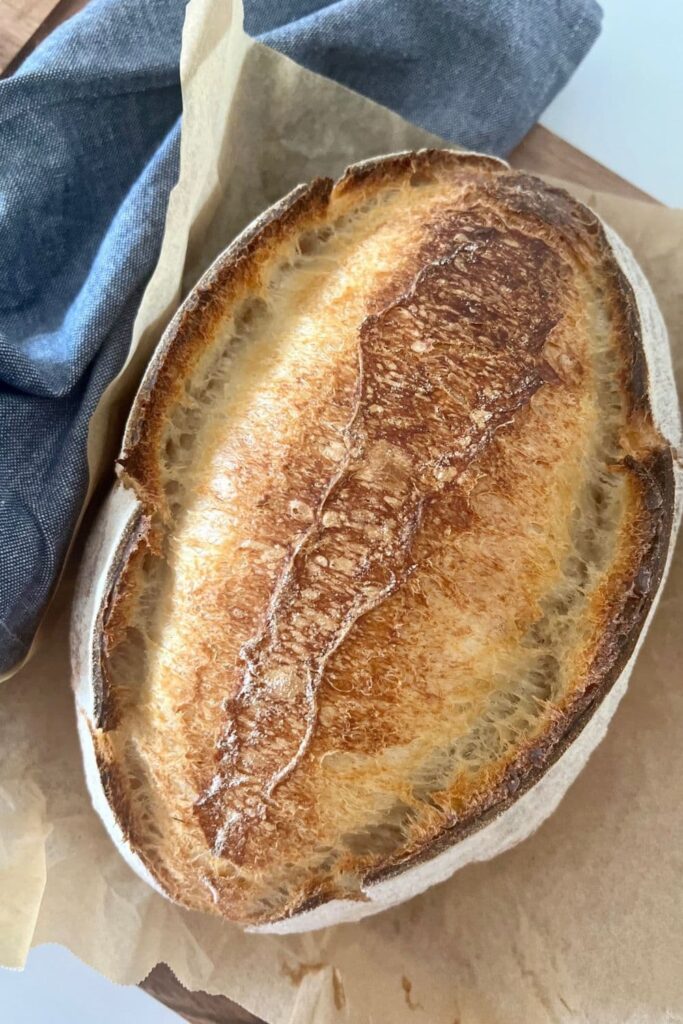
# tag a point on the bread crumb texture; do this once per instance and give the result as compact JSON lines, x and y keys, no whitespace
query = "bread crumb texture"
{"x":403,"y":513}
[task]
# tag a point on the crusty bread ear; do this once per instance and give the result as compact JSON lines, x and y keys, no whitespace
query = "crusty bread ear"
{"x":396,"y":501}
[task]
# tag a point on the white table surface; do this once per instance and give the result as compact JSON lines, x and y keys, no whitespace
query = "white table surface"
{"x":624,"y":107}
{"x":56,"y":988}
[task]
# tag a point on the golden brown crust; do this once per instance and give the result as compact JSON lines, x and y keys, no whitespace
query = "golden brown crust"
{"x":621,"y":630}
{"x":422,"y":414}
{"x":656,"y":478}
{"x":501,"y":262}
{"x":233,"y":271}
{"x":420,"y":166}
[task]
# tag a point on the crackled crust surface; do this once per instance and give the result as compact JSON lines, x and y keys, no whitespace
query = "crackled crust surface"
{"x":402,"y":513}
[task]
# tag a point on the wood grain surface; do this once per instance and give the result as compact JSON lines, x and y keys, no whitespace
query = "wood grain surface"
{"x":194,"y":1007}
{"x":23,"y":25}
{"x":544,"y":153}
{"x":19,"y":19}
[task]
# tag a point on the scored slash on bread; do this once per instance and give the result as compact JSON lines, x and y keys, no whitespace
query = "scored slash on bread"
{"x":395,"y":500}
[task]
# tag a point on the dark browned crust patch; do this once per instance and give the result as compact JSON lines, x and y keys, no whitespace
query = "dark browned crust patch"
{"x":547,"y":205}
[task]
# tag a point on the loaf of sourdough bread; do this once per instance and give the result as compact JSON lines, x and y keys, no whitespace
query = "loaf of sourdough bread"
{"x":395,"y":500}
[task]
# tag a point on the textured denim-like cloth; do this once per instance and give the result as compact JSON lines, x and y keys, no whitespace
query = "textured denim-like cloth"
{"x":89,"y":145}
{"x":477,"y":72}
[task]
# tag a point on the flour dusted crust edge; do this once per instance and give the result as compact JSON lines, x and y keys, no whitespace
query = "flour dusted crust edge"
{"x":122,"y":516}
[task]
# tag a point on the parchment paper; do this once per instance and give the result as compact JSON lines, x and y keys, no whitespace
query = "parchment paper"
{"x":583,"y":922}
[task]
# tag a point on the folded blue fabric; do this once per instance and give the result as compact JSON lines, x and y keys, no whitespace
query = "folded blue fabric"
{"x":477,"y":72}
{"x":89,"y":144}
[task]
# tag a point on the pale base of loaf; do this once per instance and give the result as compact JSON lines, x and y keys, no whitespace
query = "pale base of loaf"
{"x":497,"y":833}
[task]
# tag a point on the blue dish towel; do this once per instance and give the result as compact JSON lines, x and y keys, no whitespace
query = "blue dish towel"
{"x":89,"y":144}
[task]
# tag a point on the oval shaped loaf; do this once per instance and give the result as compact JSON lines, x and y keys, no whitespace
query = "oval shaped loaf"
{"x":395,"y":501}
